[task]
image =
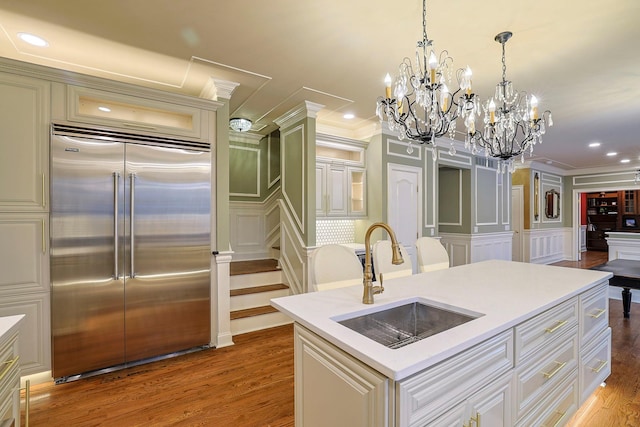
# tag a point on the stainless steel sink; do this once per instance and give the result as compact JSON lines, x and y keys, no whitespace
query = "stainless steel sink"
{"x":405,"y":324}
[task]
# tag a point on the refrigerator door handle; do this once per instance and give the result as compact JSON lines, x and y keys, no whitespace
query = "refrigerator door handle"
{"x":116,"y":188}
{"x":132,"y":179}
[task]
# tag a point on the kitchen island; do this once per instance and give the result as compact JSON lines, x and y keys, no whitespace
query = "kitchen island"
{"x":537,"y":347}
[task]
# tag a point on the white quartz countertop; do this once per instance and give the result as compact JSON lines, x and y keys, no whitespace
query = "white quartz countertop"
{"x":9,"y":324}
{"x":506,"y":293}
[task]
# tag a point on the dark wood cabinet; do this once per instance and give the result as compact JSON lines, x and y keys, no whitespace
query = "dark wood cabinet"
{"x":602,"y":216}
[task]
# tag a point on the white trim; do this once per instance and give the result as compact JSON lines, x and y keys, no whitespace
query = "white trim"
{"x":221,"y":300}
{"x":628,"y":181}
{"x":306,"y":109}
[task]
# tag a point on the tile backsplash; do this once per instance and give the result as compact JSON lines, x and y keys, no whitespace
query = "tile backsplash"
{"x":335,"y":231}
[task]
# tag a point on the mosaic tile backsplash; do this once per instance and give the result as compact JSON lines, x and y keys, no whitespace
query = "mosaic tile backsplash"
{"x":335,"y":231}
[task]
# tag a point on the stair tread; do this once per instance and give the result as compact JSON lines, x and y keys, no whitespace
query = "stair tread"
{"x":255,"y":311}
{"x":253,"y":266}
{"x":258,"y":289}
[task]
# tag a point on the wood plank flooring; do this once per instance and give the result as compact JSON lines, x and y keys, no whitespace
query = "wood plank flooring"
{"x":251,"y":384}
{"x":248,"y":384}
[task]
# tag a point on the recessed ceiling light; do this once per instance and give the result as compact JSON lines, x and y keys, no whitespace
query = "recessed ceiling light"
{"x":612,"y":153}
{"x":33,"y":39}
{"x":594,"y":144}
{"x":625,"y":161}
{"x":349,"y":116}
{"x":105,"y":109}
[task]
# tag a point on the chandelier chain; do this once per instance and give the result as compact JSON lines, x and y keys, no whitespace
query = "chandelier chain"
{"x":424,"y":23}
{"x":504,"y":64}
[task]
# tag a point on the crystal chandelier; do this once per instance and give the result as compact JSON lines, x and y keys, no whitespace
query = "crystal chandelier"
{"x":422,"y":107}
{"x":511,"y":124}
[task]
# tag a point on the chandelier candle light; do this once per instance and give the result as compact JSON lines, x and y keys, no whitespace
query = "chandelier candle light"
{"x":512,"y":123}
{"x":421,"y":107}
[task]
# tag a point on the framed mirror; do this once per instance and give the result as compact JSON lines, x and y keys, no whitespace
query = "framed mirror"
{"x":552,"y":204}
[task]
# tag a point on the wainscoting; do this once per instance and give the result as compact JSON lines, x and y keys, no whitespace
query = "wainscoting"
{"x":468,"y":248}
{"x":254,"y":228}
{"x":545,"y":246}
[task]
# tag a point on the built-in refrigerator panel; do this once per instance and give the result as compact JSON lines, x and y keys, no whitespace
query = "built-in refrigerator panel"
{"x":87,"y":267}
{"x":130,"y":251}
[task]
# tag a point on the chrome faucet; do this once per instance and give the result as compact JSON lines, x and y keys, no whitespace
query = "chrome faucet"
{"x":367,"y":281}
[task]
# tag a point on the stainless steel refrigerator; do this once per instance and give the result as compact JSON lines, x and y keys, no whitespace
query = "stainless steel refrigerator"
{"x":130,"y":248}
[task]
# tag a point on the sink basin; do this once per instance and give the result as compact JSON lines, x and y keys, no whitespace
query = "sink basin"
{"x":405,"y":324}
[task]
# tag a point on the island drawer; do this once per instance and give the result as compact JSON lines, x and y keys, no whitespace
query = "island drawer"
{"x":534,"y":334}
{"x":595,"y":366}
{"x":544,"y":370}
{"x":8,"y":363}
{"x":432,"y":392}
{"x":556,"y":408}
{"x":9,"y":379}
{"x":594,"y":309}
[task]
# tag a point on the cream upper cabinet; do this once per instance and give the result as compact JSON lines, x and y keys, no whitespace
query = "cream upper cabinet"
{"x":331,"y":190}
{"x":340,"y":178}
{"x":24,"y":153}
{"x":133,"y":113}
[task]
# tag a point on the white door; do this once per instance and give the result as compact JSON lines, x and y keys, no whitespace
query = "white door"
{"x":516,"y":221}
{"x":404,"y":202}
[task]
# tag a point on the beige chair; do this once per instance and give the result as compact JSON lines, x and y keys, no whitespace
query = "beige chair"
{"x":382,"y":255}
{"x":334,"y":266}
{"x":431,"y":254}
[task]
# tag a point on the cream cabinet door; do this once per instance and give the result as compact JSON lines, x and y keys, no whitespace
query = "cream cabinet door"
{"x":337,"y":190}
{"x":24,"y":284}
{"x":24,"y":136}
{"x":334,"y":389}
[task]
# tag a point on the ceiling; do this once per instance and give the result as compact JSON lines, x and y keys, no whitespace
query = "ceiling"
{"x":579,"y":57}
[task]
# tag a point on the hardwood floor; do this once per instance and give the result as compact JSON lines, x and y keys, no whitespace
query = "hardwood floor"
{"x":251,"y":384}
{"x":248,"y":384}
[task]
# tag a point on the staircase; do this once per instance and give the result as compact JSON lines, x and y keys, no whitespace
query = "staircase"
{"x":253,"y":284}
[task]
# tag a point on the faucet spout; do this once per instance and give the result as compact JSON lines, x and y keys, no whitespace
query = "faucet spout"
{"x":367,"y":280}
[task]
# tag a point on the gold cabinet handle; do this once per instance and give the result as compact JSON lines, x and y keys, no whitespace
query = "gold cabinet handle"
{"x":27,"y":399}
{"x":549,"y":375}
{"x":476,"y":419}
{"x":9,"y":364}
{"x":562,"y":414}
{"x":559,"y":324}
{"x":599,"y":312}
{"x":603,"y":363}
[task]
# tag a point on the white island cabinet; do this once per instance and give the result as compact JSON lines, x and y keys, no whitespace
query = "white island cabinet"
{"x":539,"y":344}
{"x":9,"y":371}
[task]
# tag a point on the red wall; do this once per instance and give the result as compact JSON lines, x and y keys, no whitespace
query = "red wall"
{"x":583,"y":208}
